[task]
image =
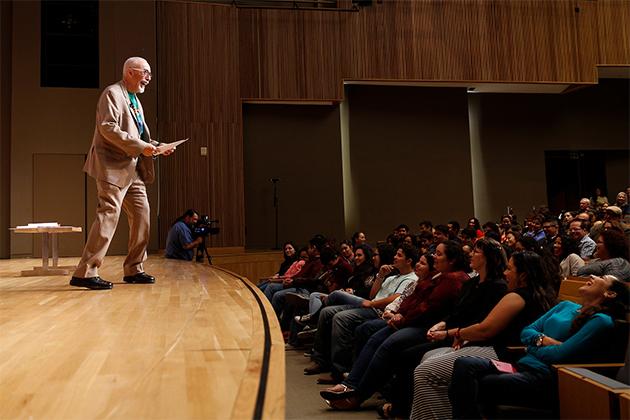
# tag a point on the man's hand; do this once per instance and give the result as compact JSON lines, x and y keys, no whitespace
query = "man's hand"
{"x":150,"y":150}
{"x":387,"y":315}
{"x":366,"y":303}
{"x":385,"y":270}
{"x":394,"y":321}
{"x":169,"y":152}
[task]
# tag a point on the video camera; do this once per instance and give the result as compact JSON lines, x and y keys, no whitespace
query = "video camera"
{"x":205,"y":227}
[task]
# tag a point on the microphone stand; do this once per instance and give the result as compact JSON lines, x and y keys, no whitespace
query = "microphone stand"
{"x":275,"y":205}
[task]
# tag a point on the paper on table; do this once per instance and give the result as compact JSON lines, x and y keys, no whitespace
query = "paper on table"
{"x":168,"y":146}
{"x":38,"y":225}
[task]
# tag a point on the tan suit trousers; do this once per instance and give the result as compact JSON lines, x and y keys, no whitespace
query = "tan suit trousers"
{"x":111,"y":199}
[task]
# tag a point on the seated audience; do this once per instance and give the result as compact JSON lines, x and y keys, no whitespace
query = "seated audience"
{"x":453,"y":230}
{"x":566,"y":250}
{"x":468,"y":236}
{"x":347,"y":251}
{"x":473,"y":223}
{"x":290,"y":256}
{"x":302,"y":282}
{"x":335,"y":328}
{"x":410,"y":240}
{"x":526,"y":243}
{"x":568,"y":333}
{"x":612,"y":256}
{"x":424,"y":240}
{"x":585,"y":205}
{"x":477,"y":298}
{"x":505,"y":226}
{"x":383,"y":255}
{"x":426,"y":226}
{"x":491,"y":227}
{"x":578,"y":230}
{"x":425,"y":270}
{"x":530,"y":296}
{"x":622,"y":202}
{"x":567,"y":218}
{"x":551,"y":229}
{"x":358,"y":238}
{"x":180,"y":244}
{"x":599,"y":199}
{"x":276,"y":283}
{"x":440,"y":234}
{"x":359,"y":284}
{"x":431,"y":300}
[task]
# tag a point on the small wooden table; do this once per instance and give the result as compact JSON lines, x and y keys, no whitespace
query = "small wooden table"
{"x":49,"y":239}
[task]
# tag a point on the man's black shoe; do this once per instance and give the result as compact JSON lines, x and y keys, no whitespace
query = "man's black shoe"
{"x":94,"y":283}
{"x":143,"y":278}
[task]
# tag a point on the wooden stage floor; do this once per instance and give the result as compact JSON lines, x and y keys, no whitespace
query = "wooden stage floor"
{"x":199,"y":343}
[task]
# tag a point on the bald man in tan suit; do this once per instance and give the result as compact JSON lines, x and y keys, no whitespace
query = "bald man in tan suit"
{"x":121,"y":162}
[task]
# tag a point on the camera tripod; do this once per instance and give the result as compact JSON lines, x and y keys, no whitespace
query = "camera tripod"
{"x":201,"y":251}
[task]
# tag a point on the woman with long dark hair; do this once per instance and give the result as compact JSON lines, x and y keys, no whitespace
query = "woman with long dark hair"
{"x":568,"y":333}
{"x":529,"y":296}
{"x":566,"y":251}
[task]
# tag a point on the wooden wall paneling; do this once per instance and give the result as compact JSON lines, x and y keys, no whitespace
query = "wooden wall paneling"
{"x":226,"y":180}
{"x":6,"y":37}
{"x":465,"y":40}
{"x":485,"y":40}
{"x":281,"y":54}
{"x":587,"y":49}
{"x":325,"y":48}
{"x":173,"y":69}
{"x":199,"y":98}
{"x":248,"y":41}
{"x":613,"y":25}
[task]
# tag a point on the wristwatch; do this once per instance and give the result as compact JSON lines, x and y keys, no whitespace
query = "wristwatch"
{"x":539,"y":340}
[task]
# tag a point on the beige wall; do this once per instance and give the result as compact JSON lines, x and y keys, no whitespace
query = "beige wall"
{"x":406,"y":158}
{"x":59,"y":120}
{"x":404,"y":154}
{"x":410,"y":150}
{"x":517,"y":129}
{"x":300,"y":145}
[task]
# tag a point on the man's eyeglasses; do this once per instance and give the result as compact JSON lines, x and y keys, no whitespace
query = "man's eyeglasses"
{"x":144,"y":72}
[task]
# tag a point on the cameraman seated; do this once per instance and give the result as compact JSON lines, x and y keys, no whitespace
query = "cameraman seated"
{"x":180,"y":244}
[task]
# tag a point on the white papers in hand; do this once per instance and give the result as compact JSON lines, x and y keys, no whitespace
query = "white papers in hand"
{"x":161,"y":149}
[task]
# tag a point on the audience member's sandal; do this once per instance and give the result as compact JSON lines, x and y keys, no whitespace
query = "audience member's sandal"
{"x":339,"y":391}
{"x":385,"y":411}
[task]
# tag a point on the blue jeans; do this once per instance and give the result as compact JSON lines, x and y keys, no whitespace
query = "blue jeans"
{"x":364,"y":331}
{"x":335,"y":335}
{"x":269,"y":288}
{"x":279,"y":298}
{"x":315,"y":302}
{"x":478,"y":387}
{"x":373,"y":367}
{"x":339,"y":297}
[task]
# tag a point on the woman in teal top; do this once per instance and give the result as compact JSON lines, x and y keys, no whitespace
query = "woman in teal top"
{"x":567,"y":333}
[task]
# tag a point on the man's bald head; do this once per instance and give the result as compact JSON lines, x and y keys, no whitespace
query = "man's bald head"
{"x":136,"y":74}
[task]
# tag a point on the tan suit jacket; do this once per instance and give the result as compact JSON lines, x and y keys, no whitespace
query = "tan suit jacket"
{"x":117,"y":147}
